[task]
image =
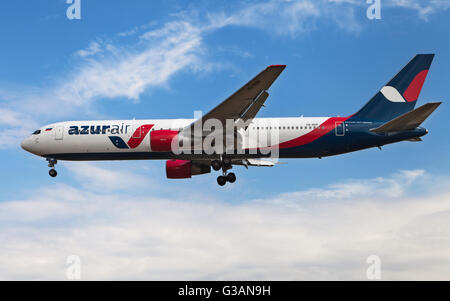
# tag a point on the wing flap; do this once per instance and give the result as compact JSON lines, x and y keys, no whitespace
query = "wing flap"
{"x":254,"y":162}
{"x":254,"y":108}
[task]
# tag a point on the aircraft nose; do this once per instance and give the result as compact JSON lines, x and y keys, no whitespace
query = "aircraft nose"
{"x":26,"y":144}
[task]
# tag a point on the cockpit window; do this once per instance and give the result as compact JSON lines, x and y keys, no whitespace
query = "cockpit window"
{"x":37,"y":132}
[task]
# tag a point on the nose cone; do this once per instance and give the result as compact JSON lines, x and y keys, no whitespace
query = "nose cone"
{"x":26,"y":144}
{"x":31,"y":145}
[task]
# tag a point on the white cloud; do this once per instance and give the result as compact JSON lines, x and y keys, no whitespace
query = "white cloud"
{"x":120,"y":71}
{"x":12,"y":126}
{"x":141,"y":236}
{"x":288,"y":17}
{"x":280,"y":16}
{"x":129,"y":71}
{"x":424,"y":8}
{"x":94,"y":48}
{"x":9,"y":117}
{"x":385,"y":188}
{"x":95,"y":177}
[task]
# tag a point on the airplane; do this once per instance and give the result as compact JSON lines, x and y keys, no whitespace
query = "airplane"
{"x":388,"y":117}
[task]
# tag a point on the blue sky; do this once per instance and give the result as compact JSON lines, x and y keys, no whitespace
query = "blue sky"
{"x":150,"y":59}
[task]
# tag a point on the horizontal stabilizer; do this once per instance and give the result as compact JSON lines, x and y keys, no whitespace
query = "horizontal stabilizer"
{"x":408,"y":121}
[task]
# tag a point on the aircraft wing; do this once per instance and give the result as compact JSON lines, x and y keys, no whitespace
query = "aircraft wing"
{"x":246,"y":102}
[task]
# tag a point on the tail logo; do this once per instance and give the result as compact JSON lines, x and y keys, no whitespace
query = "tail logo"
{"x":392,"y":94}
{"x":136,"y":139}
{"x":411,"y":93}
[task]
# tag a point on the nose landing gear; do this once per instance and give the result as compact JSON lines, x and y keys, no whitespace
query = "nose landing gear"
{"x":51,"y":163}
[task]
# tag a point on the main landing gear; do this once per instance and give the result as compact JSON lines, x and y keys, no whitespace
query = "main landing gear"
{"x":225,"y":165}
{"x":51,"y":163}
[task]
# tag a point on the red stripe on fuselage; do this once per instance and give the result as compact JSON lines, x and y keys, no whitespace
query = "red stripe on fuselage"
{"x":326,"y":127}
{"x":139,"y":135}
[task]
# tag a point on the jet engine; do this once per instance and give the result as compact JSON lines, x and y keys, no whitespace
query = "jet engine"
{"x":184,"y":169}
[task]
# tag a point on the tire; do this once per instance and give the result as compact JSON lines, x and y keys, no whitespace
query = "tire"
{"x":52,"y":173}
{"x":221,"y":180}
{"x":231,"y":177}
{"x":226,"y":163}
{"x":216,"y":165}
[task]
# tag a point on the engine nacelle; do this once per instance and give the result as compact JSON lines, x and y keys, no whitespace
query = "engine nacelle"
{"x":184,"y":169}
{"x":161,"y":140}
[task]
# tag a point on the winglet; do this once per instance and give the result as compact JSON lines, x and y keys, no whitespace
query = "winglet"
{"x":277,"y":66}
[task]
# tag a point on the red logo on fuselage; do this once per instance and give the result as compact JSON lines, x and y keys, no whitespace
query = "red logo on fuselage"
{"x":139,"y":135}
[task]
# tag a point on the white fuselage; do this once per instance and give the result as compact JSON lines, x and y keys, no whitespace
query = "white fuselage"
{"x":83,"y":137}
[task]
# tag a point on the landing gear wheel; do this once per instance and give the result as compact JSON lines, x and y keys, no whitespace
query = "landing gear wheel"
{"x":221,"y":180}
{"x":226,"y":163}
{"x":52,"y":173}
{"x":216,"y":165}
{"x":231,"y":177}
